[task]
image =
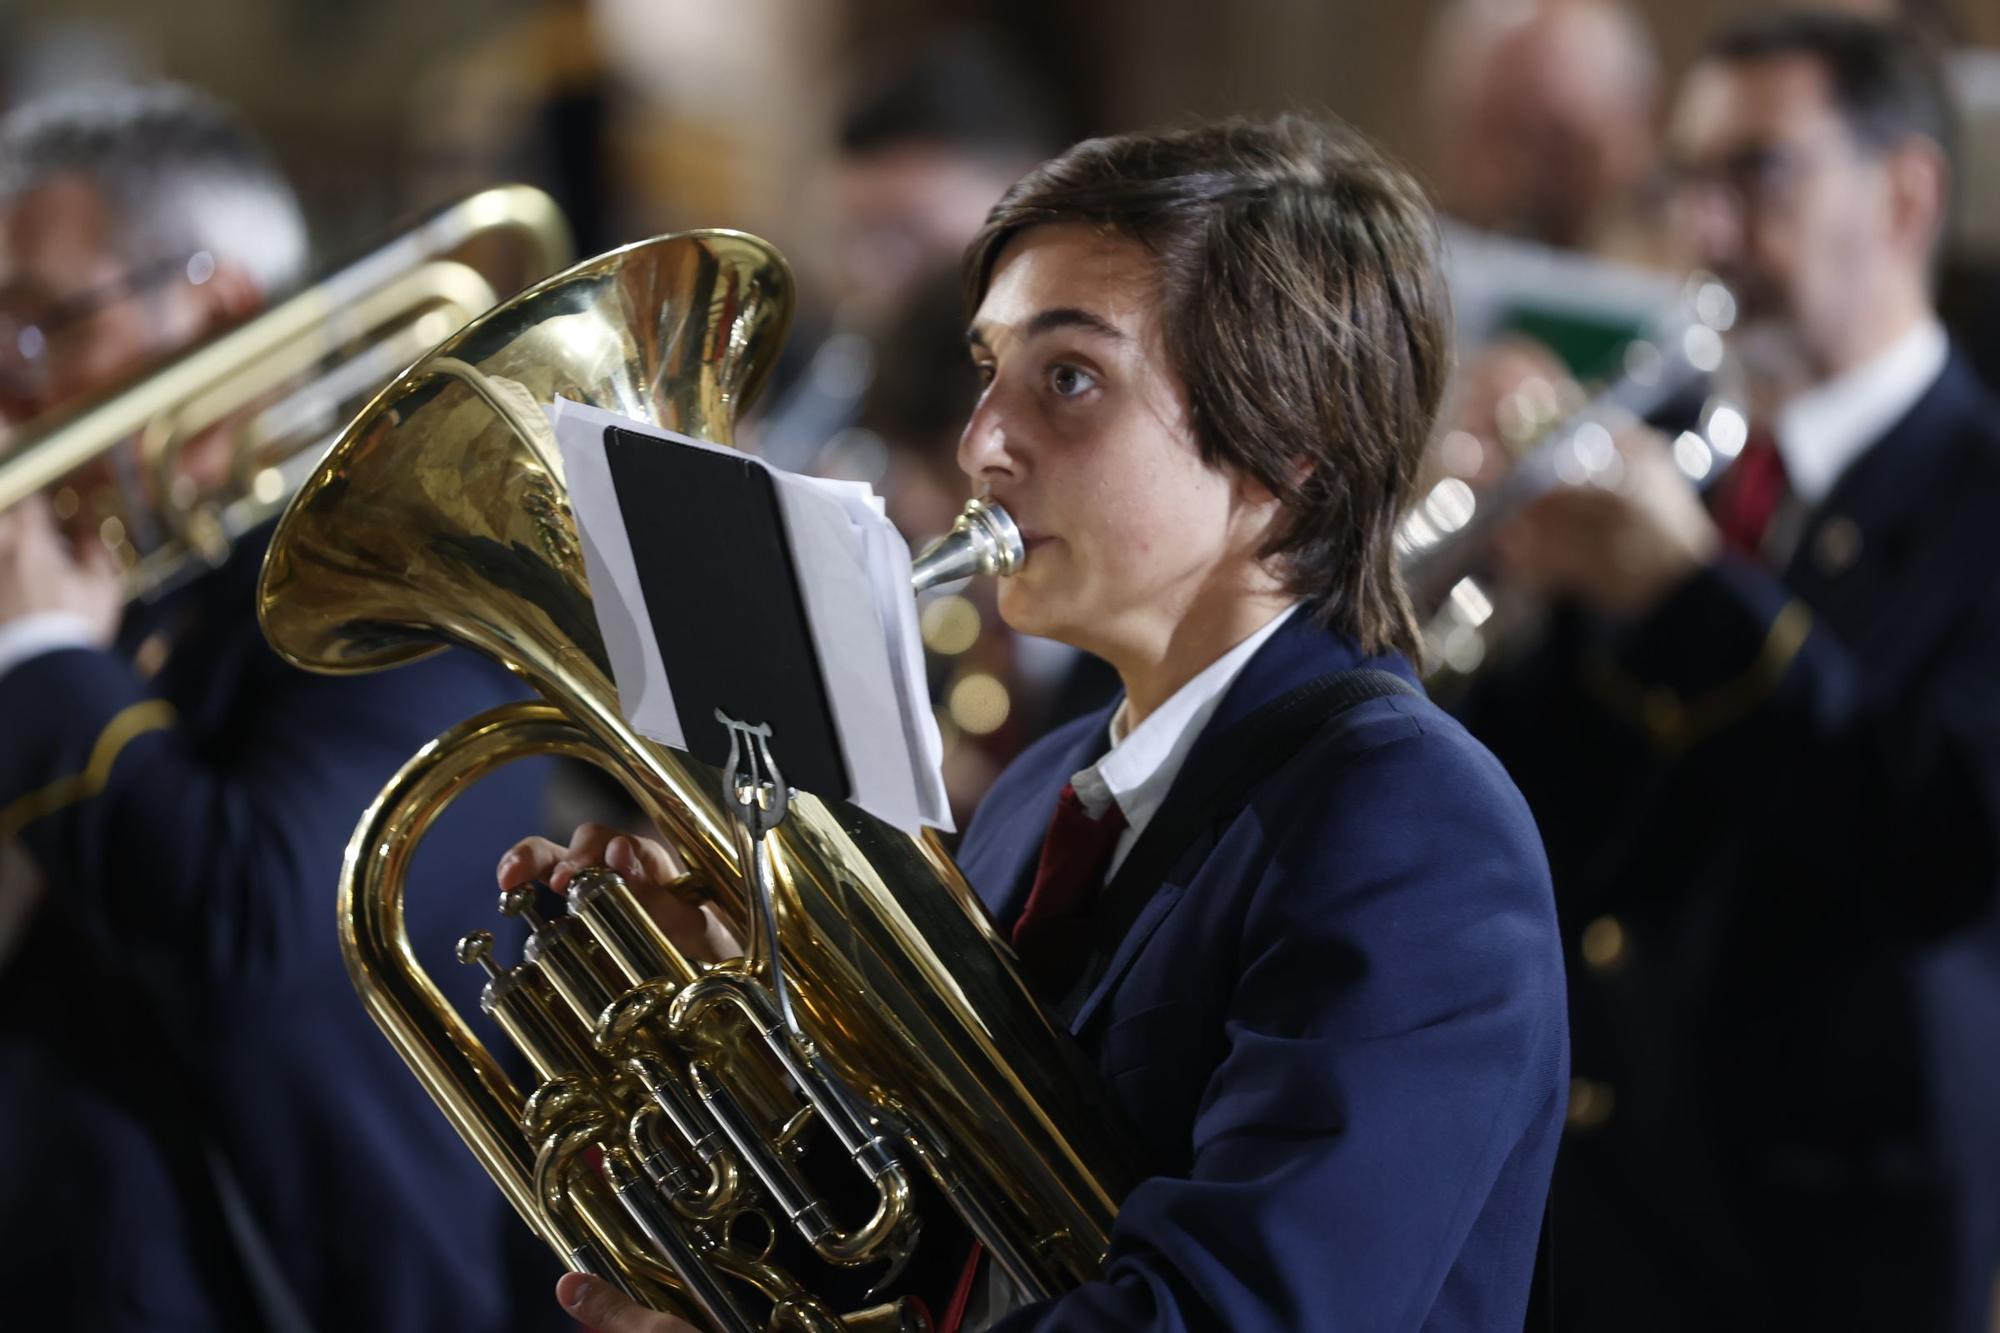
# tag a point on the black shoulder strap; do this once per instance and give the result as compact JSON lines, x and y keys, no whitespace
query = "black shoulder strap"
{"x":1261,"y":743}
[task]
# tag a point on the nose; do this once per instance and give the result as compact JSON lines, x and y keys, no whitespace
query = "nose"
{"x":1712,"y":222}
{"x":987,"y":452}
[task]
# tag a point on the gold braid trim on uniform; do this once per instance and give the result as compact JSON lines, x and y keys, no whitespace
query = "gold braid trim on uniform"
{"x":1672,"y":723}
{"x":126,"y":726}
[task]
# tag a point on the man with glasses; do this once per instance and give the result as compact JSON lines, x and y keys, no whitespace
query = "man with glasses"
{"x":204,"y":1130}
{"x":1762,"y":740}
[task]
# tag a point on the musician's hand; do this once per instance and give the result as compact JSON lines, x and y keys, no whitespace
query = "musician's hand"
{"x":599,"y":1305}
{"x":647,"y":866}
{"x":1501,"y":394}
{"x":43,"y":570}
{"x":1621,"y":545}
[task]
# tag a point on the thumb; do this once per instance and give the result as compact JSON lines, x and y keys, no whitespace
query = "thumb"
{"x":600,"y":1305}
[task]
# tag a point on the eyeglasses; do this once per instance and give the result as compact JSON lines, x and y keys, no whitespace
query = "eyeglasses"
{"x":34,"y":338}
{"x":1756,"y":179}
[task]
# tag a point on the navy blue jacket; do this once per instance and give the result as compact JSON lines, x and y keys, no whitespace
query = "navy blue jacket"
{"x":1338,"y":1026}
{"x":180,"y":992}
{"x":1772,"y":809}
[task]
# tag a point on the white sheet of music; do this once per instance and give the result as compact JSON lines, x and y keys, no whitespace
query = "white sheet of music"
{"x":854,"y":571}
{"x":645,"y":695}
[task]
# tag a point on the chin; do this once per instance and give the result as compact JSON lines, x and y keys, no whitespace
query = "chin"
{"x":1018,"y":606}
{"x":1027,"y":610}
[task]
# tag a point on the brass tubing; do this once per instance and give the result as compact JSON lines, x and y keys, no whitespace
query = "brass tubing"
{"x":521,"y":1003}
{"x":641,"y":1203}
{"x":712,"y":1196}
{"x":454,"y":291}
{"x":576,"y":967}
{"x":897,"y":1316}
{"x":46,"y":455}
{"x":835,"y":1105}
{"x":461,"y":1075}
{"x":662,"y":1165}
{"x":624,"y":930}
{"x":575,"y":1199}
{"x":878,"y":1238}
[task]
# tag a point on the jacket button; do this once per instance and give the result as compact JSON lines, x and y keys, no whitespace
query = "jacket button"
{"x":1837,"y":546}
{"x":1590,"y":1105}
{"x":1605,"y":946}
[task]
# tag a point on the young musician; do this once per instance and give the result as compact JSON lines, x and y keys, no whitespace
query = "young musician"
{"x":1335,"y":1012}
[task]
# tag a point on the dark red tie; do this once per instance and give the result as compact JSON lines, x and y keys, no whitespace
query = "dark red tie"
{"x":1051,"y":936}
{"x":1750,"y":494}
{"x":1052,"y":939}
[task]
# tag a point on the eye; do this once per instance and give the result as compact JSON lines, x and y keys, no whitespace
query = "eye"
{"x":1069,"y":381}
{"x":984,"y":370}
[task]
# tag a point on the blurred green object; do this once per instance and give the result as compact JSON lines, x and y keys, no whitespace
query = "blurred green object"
{"x":1590,"y":343}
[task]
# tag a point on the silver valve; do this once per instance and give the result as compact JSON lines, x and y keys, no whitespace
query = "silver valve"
{"x":520,"y":902}
{"x":478,"y":948}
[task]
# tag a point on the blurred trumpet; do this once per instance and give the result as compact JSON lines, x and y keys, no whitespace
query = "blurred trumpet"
{"x":1677,"y":371}
{"x":282,"y":383}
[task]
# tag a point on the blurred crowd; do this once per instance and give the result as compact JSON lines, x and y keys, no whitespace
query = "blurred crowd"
{"x":1706,"y":540}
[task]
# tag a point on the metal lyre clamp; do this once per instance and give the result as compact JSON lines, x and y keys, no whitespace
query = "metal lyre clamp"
{"x":760,"y":794}
{"x":755,"y":789}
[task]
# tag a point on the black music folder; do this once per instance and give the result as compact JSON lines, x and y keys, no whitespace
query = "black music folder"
{"x":720,"y":582}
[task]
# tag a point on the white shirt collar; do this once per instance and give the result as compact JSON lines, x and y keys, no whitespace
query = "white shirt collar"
{"x":27,"y":637}
{"x":1145,"y":760}
{"x":1822,"y":431}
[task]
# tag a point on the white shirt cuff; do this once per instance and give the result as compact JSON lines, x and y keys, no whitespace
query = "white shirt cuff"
{"x":32,"y":635}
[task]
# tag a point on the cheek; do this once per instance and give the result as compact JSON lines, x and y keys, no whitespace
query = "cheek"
{"x":1836,"y":231}
{"x":1158,"y":536}
{"x":114,"y":350}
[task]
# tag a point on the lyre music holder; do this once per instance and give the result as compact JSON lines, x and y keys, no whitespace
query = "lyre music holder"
{"x":755,"y":790}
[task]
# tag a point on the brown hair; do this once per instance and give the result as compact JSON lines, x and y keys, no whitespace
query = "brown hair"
{"x":1305,"y":313}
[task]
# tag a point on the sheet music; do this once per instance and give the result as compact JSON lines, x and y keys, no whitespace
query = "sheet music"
{"x":854,"y":571}
{"x":644,"y":693}
{"x":886,"y":559}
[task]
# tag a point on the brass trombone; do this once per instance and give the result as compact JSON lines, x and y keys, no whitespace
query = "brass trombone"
{"x":283,"y":382}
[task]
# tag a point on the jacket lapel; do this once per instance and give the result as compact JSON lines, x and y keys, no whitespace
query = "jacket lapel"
{"x":1857,"y":544}
{"x":1299,"y":652}
{"x":1150,"y":916}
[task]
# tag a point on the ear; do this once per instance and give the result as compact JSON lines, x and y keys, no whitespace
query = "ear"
{"x":1919,"y":194}
{"x":1257,"y":510}
{"x":230,"y":296}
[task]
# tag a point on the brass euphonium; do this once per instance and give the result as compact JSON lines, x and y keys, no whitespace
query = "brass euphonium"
{"x":679,"y":1136}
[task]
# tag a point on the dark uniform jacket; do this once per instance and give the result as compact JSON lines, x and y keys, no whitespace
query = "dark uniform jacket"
{"x":1772,"y":811}
{"x":1337,"y":1026}
{"x":179,"y":1042}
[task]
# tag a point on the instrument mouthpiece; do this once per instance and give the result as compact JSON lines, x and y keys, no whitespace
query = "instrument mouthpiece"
{"x":984,"y":540}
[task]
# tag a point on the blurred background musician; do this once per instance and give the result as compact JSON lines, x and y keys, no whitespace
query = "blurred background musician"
{"x":923,"y":151}
{"x":1542,"y":118}
{"x":206,"y":1130}
{"x":1763,"y":743}
{"x":923,"y":148}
